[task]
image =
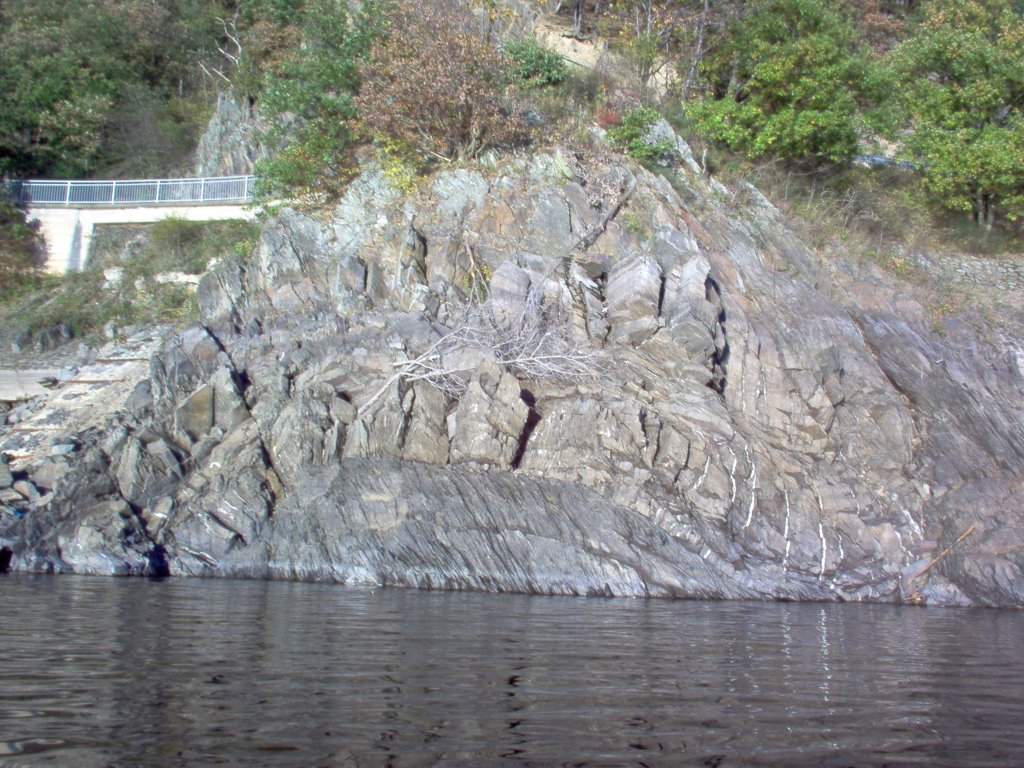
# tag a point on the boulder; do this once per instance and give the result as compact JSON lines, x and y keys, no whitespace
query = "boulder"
{"x":194,"y":417}
{"x":634,"y":300}
{"x":27,"y":490}
{"x":488,"y":423}
{"x":507,"y":294}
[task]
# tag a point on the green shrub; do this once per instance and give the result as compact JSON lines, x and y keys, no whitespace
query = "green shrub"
{"x":76,"y":299}
{"x":21,"y":253}
{"x":85,"y":301}
{"x":308,"y":98}
{"x":400,"y":163}
{"x":173,"y":302}
{"x":785,"y":81}
{"x":630,"y":135}
{"x":173,"y":246}
{"x":533,"y":65}
{"x":178,"y":245}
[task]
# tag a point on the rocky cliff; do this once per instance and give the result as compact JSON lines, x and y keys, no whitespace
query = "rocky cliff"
{"x":232,"y":143}
{"x":726,"y":414}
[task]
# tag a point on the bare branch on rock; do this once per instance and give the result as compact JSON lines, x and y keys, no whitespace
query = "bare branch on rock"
{"x":533,"y":343}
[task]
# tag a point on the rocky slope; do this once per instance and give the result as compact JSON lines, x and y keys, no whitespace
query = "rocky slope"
{"x":738,"y":430}
{"x":231,"y":144}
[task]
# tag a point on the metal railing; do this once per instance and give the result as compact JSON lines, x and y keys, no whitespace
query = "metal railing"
{"x":200,"y":191}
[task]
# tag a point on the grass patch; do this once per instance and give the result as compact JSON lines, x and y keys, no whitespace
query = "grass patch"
{"x":874,"y":210}
{"x":177,"y":245}
{"x":86,"y":301}
{"x":878,"y":218}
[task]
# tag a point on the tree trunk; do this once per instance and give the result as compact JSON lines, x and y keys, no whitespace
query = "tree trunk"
{"x":736,"y":12}
{"x":698,"y":52}
{"x":984,"y":210}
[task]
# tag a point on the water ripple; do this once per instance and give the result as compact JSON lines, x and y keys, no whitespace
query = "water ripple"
{"x":101,"y":672}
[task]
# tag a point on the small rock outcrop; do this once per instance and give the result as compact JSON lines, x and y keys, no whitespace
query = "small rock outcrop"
{"x":742,"y":431}
{"x":231,"y":143}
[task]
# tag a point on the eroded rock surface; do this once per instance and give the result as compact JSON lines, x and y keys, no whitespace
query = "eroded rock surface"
{"x":230,"y":145}
{"x":747,"y":435}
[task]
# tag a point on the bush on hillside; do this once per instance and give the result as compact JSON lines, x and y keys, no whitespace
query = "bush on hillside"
{"x":534,"y":65}
{"x":631,"y":134}
{"x":437,"y":85}
{"x":21,"y":251}
{"x":962,"y":100}
{"x":308,"y":97}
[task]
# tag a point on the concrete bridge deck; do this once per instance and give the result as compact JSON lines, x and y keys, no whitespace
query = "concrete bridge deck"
{"x":68,"y":211}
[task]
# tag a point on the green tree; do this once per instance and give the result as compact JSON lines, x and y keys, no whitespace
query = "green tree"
{"x":21,"y":252}
{"x":962,"y":76}
{"x":309,"y":97}
{"x":280,"y":12}
{"x":56,"y":90}
{"x":784,"y":78}
{"x":69,"y":69}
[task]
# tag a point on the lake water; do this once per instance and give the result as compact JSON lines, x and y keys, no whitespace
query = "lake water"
{"x":118,"y":672}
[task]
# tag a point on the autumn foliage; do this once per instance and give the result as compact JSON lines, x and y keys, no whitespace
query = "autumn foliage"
{"x":436,"y":84}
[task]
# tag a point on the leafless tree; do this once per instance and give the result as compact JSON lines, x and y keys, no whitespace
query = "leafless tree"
{"x":230,"y":49}
{"x":698,"y":51}
{"x":534,"y":343}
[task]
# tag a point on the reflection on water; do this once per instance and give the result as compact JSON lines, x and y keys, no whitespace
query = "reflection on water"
{"x":97,"y":672}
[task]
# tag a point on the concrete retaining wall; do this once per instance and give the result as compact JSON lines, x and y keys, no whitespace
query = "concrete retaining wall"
{"x":68,"y":231}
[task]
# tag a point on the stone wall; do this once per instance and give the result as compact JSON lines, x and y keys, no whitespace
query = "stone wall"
{"x":1004,"y":273}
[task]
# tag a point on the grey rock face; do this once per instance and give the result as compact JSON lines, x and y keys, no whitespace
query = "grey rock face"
{"x":194,"y":416}
{"x":634,"y":300}
{"x":507,"y":291}
{"x":748,"y":429}
{"x":230,"y":145}
{"x":54,"y":337}
{"x":409,"y":524}
{"x":27,"y":490}
{"x":489,"y":419}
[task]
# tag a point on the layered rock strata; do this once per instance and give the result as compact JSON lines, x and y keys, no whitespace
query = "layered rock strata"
{"x":741,"y":432}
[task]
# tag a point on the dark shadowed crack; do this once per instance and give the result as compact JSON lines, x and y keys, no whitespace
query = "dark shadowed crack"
{"x":532,"y":420}
{"x":720,"y":358}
